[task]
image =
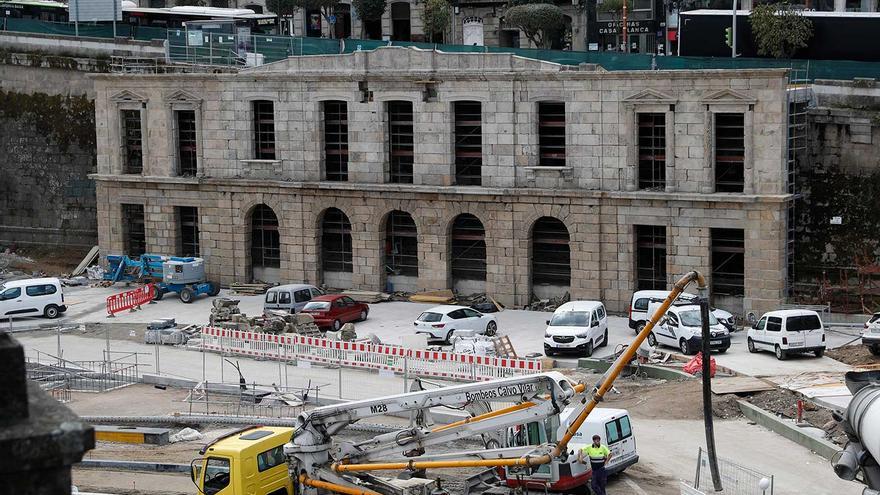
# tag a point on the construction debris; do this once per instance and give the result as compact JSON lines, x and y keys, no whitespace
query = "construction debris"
{"x":482,"y":302}
{"x":346,"y":333}
{"x":88,"y":260}
{"x":548,"y":304}
{"x":366,"y":296}
{"x":473,"y":344}
{"x":185,"y":435}
{"x":437,"y":297}
{"x":252,"y":289}
{"x":164,"y":331}
{"x":223,"y":309}
{"x":503,"y":347}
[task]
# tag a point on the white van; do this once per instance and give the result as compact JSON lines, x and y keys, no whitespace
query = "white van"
{"x":578,"y":326}
{"x":612,"y":425}
{"x":682,"y":327}
{"x":291,"y":297}
{"x":638,"y":308}
{"x":32,"y":297}
{"x":788,"y":331}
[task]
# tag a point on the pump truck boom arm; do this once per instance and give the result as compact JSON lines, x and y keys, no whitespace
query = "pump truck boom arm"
{"x":314,"y":461}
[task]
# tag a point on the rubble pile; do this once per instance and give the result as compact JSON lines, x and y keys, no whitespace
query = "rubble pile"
{"x":548,"y":304}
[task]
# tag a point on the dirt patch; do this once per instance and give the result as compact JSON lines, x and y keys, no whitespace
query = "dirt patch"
{"x":784,"y":403}
{"x":661,"y":399}
{"x":854,"y":355}
{"x":46,"y":260}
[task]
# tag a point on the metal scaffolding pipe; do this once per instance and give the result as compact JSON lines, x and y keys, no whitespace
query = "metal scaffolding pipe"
{"x":195,"y":419}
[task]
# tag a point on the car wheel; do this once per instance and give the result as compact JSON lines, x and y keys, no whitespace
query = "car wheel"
{"x":684,"y":347}
{"x":723,"y":350}
{"x":186,"y":295}
{"x":588,"y":351}
{"x":363,"y":315}
{"x":214,"y":290}
{"x":875,"y":349}
{"x":751,"y":344}
{"x":337,"y":325}
{"x":639,"y":328}
{"x":652,"y":340}
{"x":158,"y":294}
{"x":449,"y":337}
{"x":51,"y":311}
{"x":819,"y":352}
{"x":780,"y":354}
{"x":491,"y":328}
{"x":604,"y":339}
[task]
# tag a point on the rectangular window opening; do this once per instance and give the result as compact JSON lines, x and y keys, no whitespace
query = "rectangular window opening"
{"x":187,"y":161}
{"x":402,"y":245}
{"x":652,"y":150}
{"x":400,"y":140}
{"x":729,"y":152}
{"x":551,"y":134}
{"x":188,"y":222}
{"x":728,"y":261}
{"x":133,"y":234}
{"x":132,"y":142}
{"x":468,"y":143}
{"x":264,"y":130}
{"x":336,"y":140}
{"x":650,"y":257}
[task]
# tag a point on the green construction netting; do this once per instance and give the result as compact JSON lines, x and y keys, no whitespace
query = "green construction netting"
{"x":223,"y":49}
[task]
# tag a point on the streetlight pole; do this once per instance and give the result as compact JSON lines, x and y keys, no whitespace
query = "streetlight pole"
{"x":733,"y":32}
{"x":625,"y":32}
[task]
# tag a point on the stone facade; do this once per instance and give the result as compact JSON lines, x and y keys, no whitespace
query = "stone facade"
{"x":594,"y":194}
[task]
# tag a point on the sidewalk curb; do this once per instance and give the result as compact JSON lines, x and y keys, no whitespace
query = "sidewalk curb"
{"x":768,"y":420}
{"x":650,"y":371}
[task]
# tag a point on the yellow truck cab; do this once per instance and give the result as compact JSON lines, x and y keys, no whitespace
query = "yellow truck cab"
{"x":245,"y":462}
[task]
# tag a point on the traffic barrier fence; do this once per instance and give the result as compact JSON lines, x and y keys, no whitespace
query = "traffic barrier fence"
{"x":132,"y":299}
{"x":397,"y":359}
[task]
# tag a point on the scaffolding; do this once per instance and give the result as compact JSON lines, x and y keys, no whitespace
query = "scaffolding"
{"x":799,"y":95}
{"x":59,"y":376}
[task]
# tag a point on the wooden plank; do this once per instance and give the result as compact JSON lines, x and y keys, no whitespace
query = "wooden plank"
{"x":740,"y":385}
{"x":437,"y":296}
{"x":93,"y":253}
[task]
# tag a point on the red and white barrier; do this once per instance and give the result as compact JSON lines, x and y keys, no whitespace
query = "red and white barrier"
{"x":132,"y":299}
{"x":392,"y":358}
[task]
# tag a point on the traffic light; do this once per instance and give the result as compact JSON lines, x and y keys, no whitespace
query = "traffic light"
{"x":728,"y":37}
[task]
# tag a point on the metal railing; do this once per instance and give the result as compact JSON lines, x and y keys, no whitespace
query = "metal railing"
{"x":736,"y":479}
{"x":53,"y":372}
{"x":263,"y":401}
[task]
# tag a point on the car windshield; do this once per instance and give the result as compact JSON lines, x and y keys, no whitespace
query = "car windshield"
{"x":317,"y":306}
{"x":872,"y":320}
{"x":802,"y":323}
{"x":429,"y":316}
{"x":692,"y":318}
{"x":570,"y":319}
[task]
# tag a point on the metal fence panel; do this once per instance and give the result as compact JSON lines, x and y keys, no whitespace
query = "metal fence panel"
{"x":735,"y":479}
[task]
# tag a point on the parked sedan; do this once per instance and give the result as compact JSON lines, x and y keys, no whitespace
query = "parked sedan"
{"x":333,"y":311}
{"x":439,"y":322}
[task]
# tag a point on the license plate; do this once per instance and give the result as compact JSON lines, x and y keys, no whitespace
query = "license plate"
{"x":796,"y":344}
{"x":714,"y":342}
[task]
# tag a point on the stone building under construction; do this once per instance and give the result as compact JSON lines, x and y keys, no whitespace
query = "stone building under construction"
{"x":401,"y":169}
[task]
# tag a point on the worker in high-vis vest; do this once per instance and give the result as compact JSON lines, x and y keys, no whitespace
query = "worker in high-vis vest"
{"x":598,"y":456}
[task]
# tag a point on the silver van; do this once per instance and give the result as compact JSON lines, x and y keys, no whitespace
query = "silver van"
{"x":291,"y":298}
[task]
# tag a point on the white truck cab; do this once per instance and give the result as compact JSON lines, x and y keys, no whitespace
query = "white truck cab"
{"x":788,"y":331}
{"x":681,"y":327}
{"x":576,"y":326}
{"x":613,"y":425}
{"x":32,"y":297}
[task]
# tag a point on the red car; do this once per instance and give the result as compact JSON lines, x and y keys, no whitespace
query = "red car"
{"x":335,"y":310}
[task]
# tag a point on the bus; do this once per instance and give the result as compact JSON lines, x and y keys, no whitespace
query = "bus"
{"x":231,"y":21}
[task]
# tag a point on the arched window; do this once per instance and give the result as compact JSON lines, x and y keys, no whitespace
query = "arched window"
{"x":265,"y":244}
{"x":468,"y":242}
{"x":551,"y":254}
{"x":401,"y":245}
{"x":336,"y":242}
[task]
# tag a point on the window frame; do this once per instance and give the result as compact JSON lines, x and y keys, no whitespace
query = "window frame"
{"x":187,"y":223}
{"x":646,"y":238}
{"x":337,"y":250}
{"x":264,"y":138}
{"x":339,"y":147}
{"x":467,"y":142}
{"x":125,"y":140}
{"x":721,"y":244}
{"x":542,"y":257}
{"x":729,"y":186}
{"x":126,"y":209}
{"x":550,"y":139}
{"x":262,"y":252}
{"x":656,"y":164}
{"x":195,"y":153}
{"x":401,"y":141}
{"x":467,"y":248}
{"x":399,"y":242}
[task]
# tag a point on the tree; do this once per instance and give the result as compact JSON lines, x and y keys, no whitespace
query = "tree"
{"x":538,"y":21}
{"x":369,"y":10}
{"x":614,"y":8}
{"x":779,"y":30}
{"x":435,"y":17}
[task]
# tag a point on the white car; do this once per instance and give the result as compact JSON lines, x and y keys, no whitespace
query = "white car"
{"x":440,"y":322}
{"x":682,"y":327}
{"x":579,"y":326}
{"x":32,"y":297}
{"x":638,"y":308}
{"x":788,"y":331}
